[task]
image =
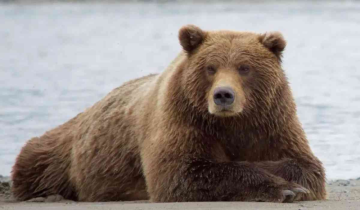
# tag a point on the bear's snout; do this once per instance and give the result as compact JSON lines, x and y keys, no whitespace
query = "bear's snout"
{"x":224,"y":96}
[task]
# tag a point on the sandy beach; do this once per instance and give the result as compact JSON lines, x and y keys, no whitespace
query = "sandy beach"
{"x":342,"y":194}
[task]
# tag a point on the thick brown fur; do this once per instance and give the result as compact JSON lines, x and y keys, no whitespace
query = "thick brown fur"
{"x":162,"y":138}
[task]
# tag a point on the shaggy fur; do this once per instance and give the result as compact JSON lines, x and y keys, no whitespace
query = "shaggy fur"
{"x":162,"y":138}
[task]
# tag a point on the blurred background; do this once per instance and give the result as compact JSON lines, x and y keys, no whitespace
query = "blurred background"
{"x":59,"y":57}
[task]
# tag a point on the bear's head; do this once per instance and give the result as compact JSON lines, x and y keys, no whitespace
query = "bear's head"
{"x":228,"y":73}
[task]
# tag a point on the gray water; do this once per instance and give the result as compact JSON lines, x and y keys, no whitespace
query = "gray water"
{"x":58,"y":59}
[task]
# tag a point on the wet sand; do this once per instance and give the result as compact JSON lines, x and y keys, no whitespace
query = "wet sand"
{"x":342,"y":194}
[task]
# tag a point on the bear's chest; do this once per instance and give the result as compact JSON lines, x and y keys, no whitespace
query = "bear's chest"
{"x":250,"y":148}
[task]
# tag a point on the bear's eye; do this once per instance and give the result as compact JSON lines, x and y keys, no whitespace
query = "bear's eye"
{"x":244,"y":69}
{"x":211,"y":70}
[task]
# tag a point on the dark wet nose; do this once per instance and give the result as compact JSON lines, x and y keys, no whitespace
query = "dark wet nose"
{"x":224,"y":96}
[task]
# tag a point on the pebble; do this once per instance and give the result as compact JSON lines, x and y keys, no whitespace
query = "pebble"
{"x":344,"y":183}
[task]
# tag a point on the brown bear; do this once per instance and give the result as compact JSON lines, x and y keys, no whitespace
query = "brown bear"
{"x":219,"y":124}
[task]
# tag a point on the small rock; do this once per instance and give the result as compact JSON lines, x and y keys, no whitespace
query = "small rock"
{"x":4,"y":187}
{"x":38,"y":199}
{"x":5,"y":184}
{"x":54,"y":198}
{"x":345,"y":191}
{"x":344,"y":183}
{"x":51,"y":198}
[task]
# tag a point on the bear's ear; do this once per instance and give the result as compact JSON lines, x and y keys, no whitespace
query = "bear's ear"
{"x":274,"y":41}
{"x":191,"y":37}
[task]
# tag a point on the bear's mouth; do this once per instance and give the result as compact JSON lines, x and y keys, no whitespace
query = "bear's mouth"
{"x":224,"y":113}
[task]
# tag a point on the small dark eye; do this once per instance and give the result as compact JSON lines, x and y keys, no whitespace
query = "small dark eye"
{"x":211,"y":70}
{"x":244,"y":69}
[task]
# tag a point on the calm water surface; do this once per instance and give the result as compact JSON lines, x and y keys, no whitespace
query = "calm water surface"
{"x":58,"y":59}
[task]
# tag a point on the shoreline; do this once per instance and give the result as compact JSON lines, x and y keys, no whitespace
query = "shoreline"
{"x":342,"y":194}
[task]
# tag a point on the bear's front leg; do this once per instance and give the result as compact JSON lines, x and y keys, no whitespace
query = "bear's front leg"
{"x":296,"y":163}
{"x":307,"y":172}
{"x":173,"y":177}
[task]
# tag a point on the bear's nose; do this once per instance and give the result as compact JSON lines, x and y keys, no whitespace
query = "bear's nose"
{"x":224,"y":96}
